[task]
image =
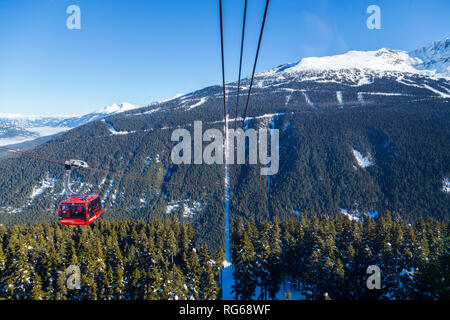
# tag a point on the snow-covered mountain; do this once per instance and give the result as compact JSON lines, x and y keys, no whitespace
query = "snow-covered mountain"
{"x":116,"y":108}
{"x":354,"y":68}
{"x":434,"y":57}
{"x":347,"y":123}
{"x":17,"y":128}
{"x":380,"y":61}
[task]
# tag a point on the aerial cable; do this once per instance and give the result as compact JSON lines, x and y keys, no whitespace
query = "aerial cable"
{"x":223,"y":62}
{"x":256,"y":61}
{"x":38,"y":157}
{"x":30,"y":155}
{"x":240,"y":64}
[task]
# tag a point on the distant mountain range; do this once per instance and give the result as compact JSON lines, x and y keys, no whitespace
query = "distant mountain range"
{"x":355,"y":67}
{"x":361,"y":133}
{"x":362,"y":67}
{"x":435,"y":57}
{"x":20,"y":131}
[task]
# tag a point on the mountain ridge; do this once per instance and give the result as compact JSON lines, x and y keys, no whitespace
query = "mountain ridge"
{"x":435,"y":56}
{"x":353,"y":67}
{"x":18,"y":128}
{"x":360,"y":147}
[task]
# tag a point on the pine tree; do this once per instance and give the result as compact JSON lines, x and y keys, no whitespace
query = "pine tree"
{"x":220,"y":260}
{"x":61,"y":288}
{"x":20,"y":272}
{"x":193,"y":274}
{"x":2,"y":267}
{"x":119,"y":284}
{"x":123,"y":260}
{"x":275,"y":258}
{"x":245,"y":278}
{"x":209,"y":287}
{"x":156,"y":284}
{"x":36,"y":290}
{"x":136,"y":286}
{"x":100,"y":269}
{"x":107,"y":291}
{"x":263,"y":255}
{"x":170,"y":244}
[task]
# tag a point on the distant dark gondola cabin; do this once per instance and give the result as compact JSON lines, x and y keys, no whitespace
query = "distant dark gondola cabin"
{"x":80,"y":210}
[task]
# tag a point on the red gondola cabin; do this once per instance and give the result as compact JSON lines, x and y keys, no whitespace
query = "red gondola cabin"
{"x":80,"y":210}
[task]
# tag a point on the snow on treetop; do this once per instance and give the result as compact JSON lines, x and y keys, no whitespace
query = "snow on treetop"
{"x":362,"y":161}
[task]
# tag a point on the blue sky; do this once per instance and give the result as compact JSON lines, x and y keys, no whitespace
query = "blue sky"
{"x":142,"y":51}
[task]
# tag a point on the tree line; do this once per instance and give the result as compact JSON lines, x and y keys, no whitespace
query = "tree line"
{"x":327,"y":257}
{"x":117,"y":260}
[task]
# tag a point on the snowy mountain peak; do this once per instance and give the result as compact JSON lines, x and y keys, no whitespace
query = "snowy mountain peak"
{"x":18,"y":128}
{"x":435,"y":56}
{"x":436,"y":50}
{"x":117,"y":108}
{"x":380,"y":60}
{"x":362,"y":67}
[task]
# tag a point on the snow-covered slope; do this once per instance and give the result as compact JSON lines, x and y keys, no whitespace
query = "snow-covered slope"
{"x":383,"y":60}
{"x":18,"y":128}
{"x":354,"y":68}
{"x":375,"y":103}
{"x":362,"y":67}
{"x":117,"y":108}
{"x":434,"y":57}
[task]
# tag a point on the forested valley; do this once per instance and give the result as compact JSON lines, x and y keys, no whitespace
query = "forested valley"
{"x":327,"y":258}
{"x":132,"y":260}
{"x":320,"y":257}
